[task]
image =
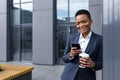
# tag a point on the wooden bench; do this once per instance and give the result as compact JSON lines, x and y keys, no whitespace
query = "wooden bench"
{"x":15,"y":72}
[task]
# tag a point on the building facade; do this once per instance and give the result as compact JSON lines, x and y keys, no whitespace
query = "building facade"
{"x":29,"y":30}
{"x":37,"y":31}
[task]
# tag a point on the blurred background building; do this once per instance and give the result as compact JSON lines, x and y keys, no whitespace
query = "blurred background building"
{"x":37,"y":30}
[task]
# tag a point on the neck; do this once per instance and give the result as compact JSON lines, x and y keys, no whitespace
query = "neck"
{"x":85,"y":34}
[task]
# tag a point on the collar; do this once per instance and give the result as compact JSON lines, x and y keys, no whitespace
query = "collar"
{"x":89,"y":35}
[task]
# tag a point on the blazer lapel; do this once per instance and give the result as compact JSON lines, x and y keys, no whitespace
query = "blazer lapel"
{"x":91,"y":42}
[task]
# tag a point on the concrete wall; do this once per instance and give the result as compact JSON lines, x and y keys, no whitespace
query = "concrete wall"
{"x":95,"y":7}
{"x":3,"y":30}
{"x":111,"y":39}
{"x":43,"y":32}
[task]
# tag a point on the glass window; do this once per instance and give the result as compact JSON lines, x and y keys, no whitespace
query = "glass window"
{"x":16,"y":42}
{"x":75,"y":5}
{"x":27,"y":7}
{"x":22,"y":33}
{"x":16,"y":1}
{"x":16,"y":14}
{"x":26,"y":0}
{"x":16,"y":7}
{"x":26,"y":42}
{"x":26,"y":13}
{"x":62,"y":33}
{"x":62,"y":10}
{"x":66,"y":10}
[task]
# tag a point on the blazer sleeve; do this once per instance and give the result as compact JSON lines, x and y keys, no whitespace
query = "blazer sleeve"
{"x":99,"y":58}
{"x":66,"y":57}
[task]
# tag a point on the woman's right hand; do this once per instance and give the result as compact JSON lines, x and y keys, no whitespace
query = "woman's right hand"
{"x":74,"y":51}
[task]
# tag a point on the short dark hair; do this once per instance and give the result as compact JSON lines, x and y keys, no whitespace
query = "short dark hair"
{"x":83,"y":11}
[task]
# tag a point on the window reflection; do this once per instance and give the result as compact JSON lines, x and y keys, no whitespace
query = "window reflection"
{"x":75,"y":5}
{"x":16,"y":1}
{"x":21,"y":20}
{"x":62,"y":32}
{"x":66,"y":9}
{"x":27,"y":6}
{"x":16,"y":7}
{"x":16,"y":42}
{"x":26,"y":12}
{"x":16,"y":14}
{"x":62,"y":10}
{"x":26,"y":0}
{"x":26,"y":42}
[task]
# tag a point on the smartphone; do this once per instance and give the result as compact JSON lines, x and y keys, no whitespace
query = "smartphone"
{"x":76,"y":45}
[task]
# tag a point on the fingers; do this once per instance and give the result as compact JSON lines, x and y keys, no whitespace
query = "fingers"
{"x":74,"y":51}
{"x":86,"y":62}
{"x":73,"y":48}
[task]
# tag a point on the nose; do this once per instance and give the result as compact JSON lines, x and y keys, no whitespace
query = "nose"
{"x":81,"y":24}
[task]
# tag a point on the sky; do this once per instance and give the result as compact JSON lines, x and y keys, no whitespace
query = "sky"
{"x":62,"y":7}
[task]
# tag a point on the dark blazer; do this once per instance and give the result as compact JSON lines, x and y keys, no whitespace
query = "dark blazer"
{"x":94,"y":49}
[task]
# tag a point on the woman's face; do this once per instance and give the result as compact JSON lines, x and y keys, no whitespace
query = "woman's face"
{"x":83,"y":23}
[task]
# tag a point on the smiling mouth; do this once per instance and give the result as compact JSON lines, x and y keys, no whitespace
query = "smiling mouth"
{"x":83,"y":29}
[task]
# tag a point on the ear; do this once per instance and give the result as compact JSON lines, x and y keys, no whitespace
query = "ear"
{"x":91,"y":21}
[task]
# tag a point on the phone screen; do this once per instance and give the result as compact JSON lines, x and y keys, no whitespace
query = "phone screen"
{"x":76,"y":45}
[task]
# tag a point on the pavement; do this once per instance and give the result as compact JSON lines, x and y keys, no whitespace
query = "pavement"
{"x":47,"y":72}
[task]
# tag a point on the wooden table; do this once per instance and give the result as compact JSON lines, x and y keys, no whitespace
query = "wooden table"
{"x":15,"y":72}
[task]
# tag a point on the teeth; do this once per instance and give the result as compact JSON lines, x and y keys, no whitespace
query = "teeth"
{"x":83,"y":29}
